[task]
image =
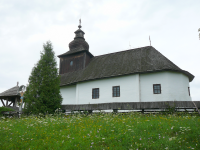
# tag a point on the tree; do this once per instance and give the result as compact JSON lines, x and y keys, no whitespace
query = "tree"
{"x":43,"y":91}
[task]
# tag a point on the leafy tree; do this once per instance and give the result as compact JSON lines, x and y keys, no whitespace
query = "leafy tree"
{"x":43,"y":91}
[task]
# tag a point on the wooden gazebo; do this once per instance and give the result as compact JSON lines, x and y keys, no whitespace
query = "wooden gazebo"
{"x":10,"y":97}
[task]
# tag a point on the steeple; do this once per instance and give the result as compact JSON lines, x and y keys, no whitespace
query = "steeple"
{"x":79,"y":43}
{"x":78,"y":56}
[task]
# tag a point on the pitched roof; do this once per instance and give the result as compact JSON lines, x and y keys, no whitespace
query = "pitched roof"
{"x":139,"y":60}
{"x":14,"y":91}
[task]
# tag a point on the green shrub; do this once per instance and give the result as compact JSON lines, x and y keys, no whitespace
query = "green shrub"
{"x":2,"y":109}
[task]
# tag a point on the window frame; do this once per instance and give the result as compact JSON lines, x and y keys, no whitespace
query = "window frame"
{"x":189,"y":91}
{"x":95,"y":95}
{"x":117,"y":93}
{"x":155,"y":85}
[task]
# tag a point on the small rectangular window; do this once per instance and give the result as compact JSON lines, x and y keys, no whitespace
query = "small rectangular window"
{"x":189,"y":90}
{"x":157,"y":89}
{"x":95,"y":93}
{"x":116,"y":91}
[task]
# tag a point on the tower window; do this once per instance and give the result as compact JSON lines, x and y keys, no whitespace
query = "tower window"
{"x":95,"y":93}
{"x":116,"y":91}
{"x":71,"y":63}
{"x":157,"y":89}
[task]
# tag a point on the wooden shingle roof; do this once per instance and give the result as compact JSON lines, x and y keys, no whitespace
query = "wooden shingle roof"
{"x":14,"y":91}
{"x":139,"y":60}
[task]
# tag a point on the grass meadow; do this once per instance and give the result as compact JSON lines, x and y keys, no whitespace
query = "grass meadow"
{"x":130,"y":131}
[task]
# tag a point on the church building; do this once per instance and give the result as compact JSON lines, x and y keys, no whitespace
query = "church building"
{"x":135,"y":75}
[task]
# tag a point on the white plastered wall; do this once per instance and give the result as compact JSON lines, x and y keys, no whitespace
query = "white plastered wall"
{"x":129,"y":91}
{"x":174,"y":86}
{"x":133,"y":88}
{"x":68,"y":94}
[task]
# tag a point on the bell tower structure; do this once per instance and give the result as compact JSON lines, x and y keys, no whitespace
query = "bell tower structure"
{"x":78,"y":56}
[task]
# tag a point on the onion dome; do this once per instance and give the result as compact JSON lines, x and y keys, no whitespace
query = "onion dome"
{"x":79,"y":43}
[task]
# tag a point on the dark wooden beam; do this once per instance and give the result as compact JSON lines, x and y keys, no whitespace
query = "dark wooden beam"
{"x":15,"y":103}
{"x":7,"y":102}
{"x":196,"y":107}
{"x":10,"y":103}
{"x":2,"y":102}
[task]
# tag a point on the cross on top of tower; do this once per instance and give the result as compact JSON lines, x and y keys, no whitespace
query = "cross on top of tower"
{"x":79,"y":24}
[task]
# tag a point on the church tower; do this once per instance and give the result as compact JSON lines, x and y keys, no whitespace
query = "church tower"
{"x":78,"y":56}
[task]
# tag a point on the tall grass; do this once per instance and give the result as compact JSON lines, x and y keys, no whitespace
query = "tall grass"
{"x":101,"y":131}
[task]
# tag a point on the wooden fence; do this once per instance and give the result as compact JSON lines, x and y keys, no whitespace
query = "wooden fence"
{"x":134,"y":106}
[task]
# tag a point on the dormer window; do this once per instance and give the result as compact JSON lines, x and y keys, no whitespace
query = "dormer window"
{"x":71,"y":63}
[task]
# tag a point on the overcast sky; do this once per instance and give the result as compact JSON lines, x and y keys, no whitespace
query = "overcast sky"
{"x":109,"y":26}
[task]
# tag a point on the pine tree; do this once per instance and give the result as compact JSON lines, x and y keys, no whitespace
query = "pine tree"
{"x":43,"y":91}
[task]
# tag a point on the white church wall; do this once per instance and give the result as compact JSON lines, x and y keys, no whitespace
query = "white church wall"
{"x":129,"y":90}
{"x":174,"y":86}
{"x":133,"y":88}
{"x":68,"y":94}
{"x":179,"y":92}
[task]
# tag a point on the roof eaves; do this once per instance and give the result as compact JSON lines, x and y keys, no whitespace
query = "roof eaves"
{"x":190,"y":76}
{"x":74,"y":52}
